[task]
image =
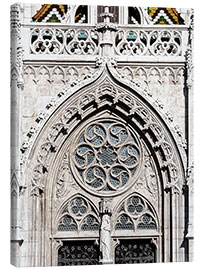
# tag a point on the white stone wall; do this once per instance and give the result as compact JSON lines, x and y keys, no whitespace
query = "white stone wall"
{"x":41,"y":81}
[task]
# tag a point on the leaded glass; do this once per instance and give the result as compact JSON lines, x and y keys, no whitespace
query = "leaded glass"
{"x":90,"y":223}
{"x":137,"y":211}
{"x":124,"y":223}
{"x":147,"y":222}
{"x":78,"y":206}
{"x":135,"y":205}
{"x":67,"y":224}
{"x":107,"y":156}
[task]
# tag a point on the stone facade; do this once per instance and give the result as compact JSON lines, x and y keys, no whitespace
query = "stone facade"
{"x":102,"y":137}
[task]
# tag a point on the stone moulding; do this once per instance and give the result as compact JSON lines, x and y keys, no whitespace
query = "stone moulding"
{"x":152,"y":123}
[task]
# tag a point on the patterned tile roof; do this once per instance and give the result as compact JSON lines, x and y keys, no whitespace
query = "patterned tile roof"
{"x":159,"y":15}
{"x":50,"y":13}
{"x":165,"y":15}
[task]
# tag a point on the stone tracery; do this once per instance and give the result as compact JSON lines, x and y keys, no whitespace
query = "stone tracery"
{"x":107,"y":160}
{"x":107,"y":156}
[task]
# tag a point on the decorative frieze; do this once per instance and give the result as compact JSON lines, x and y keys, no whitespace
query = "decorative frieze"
{"x":57,"y":75}
{"x":147,"y":75}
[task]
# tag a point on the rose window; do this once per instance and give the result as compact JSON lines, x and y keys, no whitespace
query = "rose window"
{"x":106,"y":157}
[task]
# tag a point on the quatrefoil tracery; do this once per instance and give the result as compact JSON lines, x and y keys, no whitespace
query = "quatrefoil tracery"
{"x":107,"y":156}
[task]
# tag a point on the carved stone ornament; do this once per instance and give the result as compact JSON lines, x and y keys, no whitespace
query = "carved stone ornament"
{"x":105,"y":240}
{"x":148,"y":181}
{"x":65,"y":182}
{"x":105,"y":206}
{"x":156,"y":43}
{"x":100,"y":139}
{"x":135,"y":214}
{"x":16,"y":47}
{"x":59,"y":41}
{"x":106,"y":157}
{"x":78,"y":214}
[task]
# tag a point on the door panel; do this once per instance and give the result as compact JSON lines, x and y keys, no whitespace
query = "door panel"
{"x":78,"y":253}
{"x":135,"y":251}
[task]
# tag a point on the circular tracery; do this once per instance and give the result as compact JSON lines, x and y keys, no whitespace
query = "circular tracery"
{"x":106,"y":157}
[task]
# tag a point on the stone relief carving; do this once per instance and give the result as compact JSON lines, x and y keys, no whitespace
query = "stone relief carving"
{"x":160,"y":76}
{"x":65,"y":182}
{"x":54,"y":75}
{"x":148,"y":181}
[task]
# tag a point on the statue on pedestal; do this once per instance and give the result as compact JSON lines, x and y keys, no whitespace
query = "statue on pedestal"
{"x":105,"y":232}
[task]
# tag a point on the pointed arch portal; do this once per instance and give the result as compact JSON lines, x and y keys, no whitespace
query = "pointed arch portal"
{"x":113,"y":176}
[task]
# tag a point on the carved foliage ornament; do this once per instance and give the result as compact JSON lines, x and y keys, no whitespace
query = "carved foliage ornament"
{"x":106,"y":157}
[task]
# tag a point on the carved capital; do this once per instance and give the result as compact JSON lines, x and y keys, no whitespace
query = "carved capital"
{"x":105,"y":206}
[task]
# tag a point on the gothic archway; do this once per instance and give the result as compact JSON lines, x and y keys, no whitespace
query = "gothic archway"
{"x":103,"y":142}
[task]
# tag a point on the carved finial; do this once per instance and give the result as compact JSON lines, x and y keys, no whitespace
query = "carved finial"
{"x":106,"y":15}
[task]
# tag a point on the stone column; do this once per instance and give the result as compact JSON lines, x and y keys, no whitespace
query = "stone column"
{"x":105,"y":241}
{"x":190,"y":169}
{"x":16,"y":175}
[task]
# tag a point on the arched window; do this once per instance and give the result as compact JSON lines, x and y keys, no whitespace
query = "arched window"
{"x":81,"y":15}
{"x":133,"y":15}
{"x":106,"y":157}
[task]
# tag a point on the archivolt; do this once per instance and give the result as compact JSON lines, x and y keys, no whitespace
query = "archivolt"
{"x":105,"y":92}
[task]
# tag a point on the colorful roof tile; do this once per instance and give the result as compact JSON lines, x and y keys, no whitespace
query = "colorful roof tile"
{"x":159,"y":15}
{"x":50,"y":13}
{"x":165,"y":15}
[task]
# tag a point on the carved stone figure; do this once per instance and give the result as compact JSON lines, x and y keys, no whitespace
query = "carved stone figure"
{"x":105,"y":239}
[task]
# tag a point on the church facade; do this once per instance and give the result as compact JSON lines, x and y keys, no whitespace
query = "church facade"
{"x":101,"y":135}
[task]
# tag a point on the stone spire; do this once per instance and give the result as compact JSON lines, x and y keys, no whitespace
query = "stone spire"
{"x":106,"y":28}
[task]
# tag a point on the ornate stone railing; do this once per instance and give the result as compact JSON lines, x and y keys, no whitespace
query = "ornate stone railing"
{"x":148,"y":42}
{"x":64,"y":41}
{"x":56,"y":39}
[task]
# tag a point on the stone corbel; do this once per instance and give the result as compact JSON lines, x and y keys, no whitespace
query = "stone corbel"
{"x":18,"y":241}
